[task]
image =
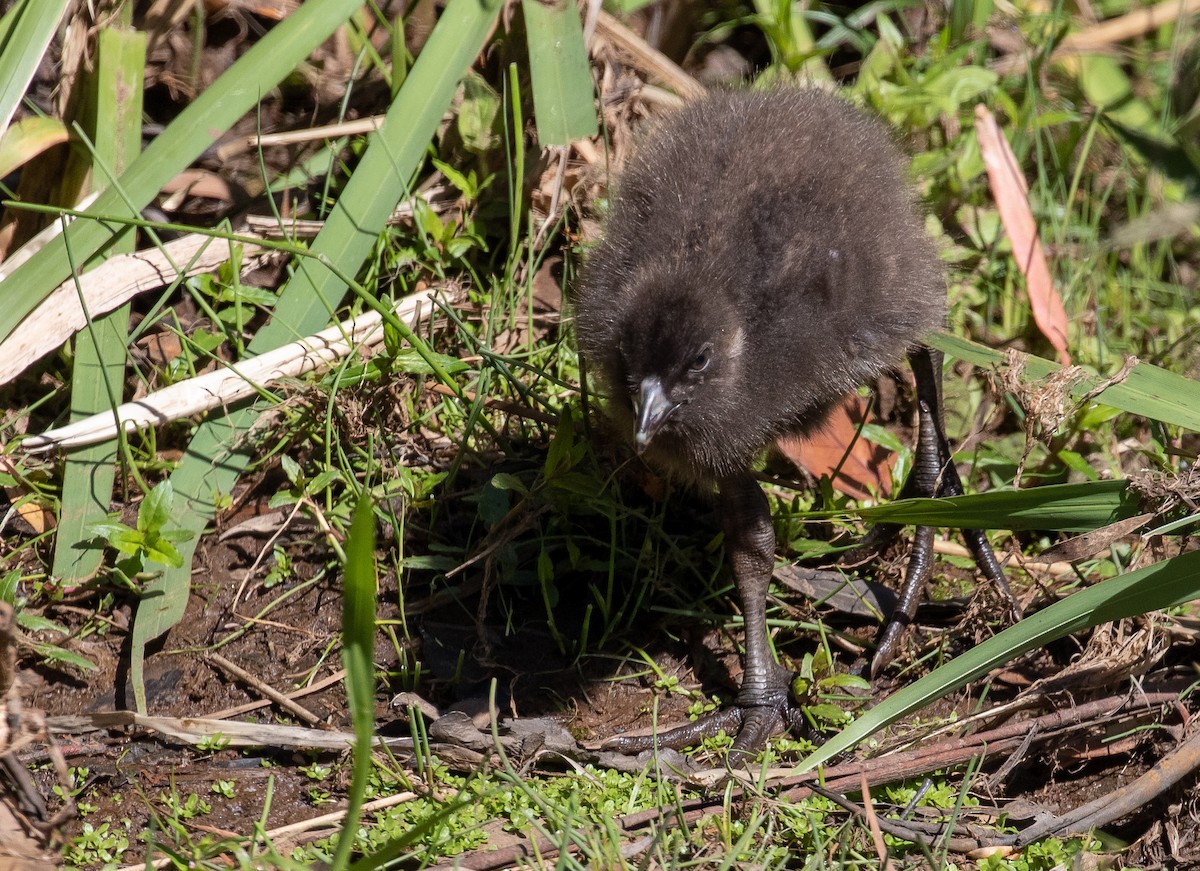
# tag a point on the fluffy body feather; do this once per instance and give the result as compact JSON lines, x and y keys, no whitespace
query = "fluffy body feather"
{"x":769,"y":235}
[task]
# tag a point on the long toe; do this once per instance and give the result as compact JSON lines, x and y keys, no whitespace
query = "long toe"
{"x":693,"y":734}
{"x":750,"y":726}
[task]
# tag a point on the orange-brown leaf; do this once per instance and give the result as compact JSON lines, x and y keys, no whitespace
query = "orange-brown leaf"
{"x":1012,"y":199}
{"x":866,"y":471}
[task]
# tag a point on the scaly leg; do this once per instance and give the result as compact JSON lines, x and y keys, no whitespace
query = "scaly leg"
{"x":933,"y":475}
{"x":762,"y":708}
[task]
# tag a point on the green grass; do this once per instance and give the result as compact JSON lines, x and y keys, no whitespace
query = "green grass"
{"x":510,"y":511}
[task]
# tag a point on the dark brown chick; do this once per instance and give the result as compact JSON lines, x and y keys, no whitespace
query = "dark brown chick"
{"x":763,"y":256}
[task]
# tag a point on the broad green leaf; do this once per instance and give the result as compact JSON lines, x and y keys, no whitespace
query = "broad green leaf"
{"x":54,"y":653}
{"x":560,"y":72}
{"x":477,"y":114}
{"x":31,"y":622}
{"x":455,"y":177}
{"x":1107,"y":87}
{"x":25,"y":34}
{"x":1065,"y":507}
{"x":1166,"y":584}
{"x":108,"y":529}
{"x":158,"y":549}
{"x":505,"y":481}
{"x":494,"y":502}
{"x":959,"y":85}
{"x":155,"y":510}
{"x":291,"y":468}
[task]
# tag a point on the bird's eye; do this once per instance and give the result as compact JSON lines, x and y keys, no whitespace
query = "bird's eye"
{"x":700,"y":361}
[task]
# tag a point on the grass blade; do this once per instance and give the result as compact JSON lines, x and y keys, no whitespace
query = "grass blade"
{"x":1166,"y":584}
{"x":358,"y":648}
{"x":1065,"y":507}
{"x":25,"y":34}
{"x":1147,"y":390}
{"x":560,"y":71}
{"x":114,"y":123}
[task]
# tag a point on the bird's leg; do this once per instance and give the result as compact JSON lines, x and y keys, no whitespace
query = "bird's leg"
{"x":922,"y":481}
{"x":762,"y":708}
{"x":933,"y":475}
{"x":926,"y":363}
{"x":750,"y":544}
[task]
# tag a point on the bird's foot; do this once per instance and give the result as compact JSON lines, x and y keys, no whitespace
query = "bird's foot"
{"x":753,"y":720}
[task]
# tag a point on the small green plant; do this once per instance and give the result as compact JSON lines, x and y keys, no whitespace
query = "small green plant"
{"x":281,"y":567}
{"x":716,"y":746}
{"x":228,"y":302}
{"x":78,"y":779}
{"x":225,"y":788}
{"x":316,"y":771}
{"x":669,"y":684}
{"x":702,"y":705}
{"x":34,"y":622}
{"x":212,"y":743}
{"x":318,"y":796}
{"x":817,"y":684}
{"x":96,"y":846}
{"x":303,"y":486}
{"x":183,"y":808}
{"x":1045,"y":855}
{"x":150,"y":540}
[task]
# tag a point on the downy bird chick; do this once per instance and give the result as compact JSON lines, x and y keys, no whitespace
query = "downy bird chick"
{"x":762,"y":257}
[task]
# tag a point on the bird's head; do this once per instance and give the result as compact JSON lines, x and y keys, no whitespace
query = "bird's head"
{"x":679,"y":349}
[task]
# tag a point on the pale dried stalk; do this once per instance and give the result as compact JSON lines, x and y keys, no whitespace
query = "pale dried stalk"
{"x":225,"y":386}
{"x":647,"y":58}
{"x":356,"y":127}
{"x":1129,"y":25}
{"x":196,"y":730}
{"x":109,"y":286}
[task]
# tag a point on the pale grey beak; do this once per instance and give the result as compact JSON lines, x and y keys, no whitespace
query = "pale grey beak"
{"x":652,"y":407}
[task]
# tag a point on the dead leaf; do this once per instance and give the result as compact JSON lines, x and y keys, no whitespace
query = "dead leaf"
{"x":28,"y":138}
{"x":38,"y":518}
{"x":274,"y":10}
{"x":865,"y":473}
{"x":1012,"y":199}
{"x":1091,"y":543}
{"x":198,"y":183}
{"x":161,"y":348}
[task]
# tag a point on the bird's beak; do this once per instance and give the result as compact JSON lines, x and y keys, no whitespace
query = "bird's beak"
{"x":653,"y":407}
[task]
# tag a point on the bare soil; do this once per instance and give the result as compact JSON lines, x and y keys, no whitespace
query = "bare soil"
{"x":285,"y":642}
